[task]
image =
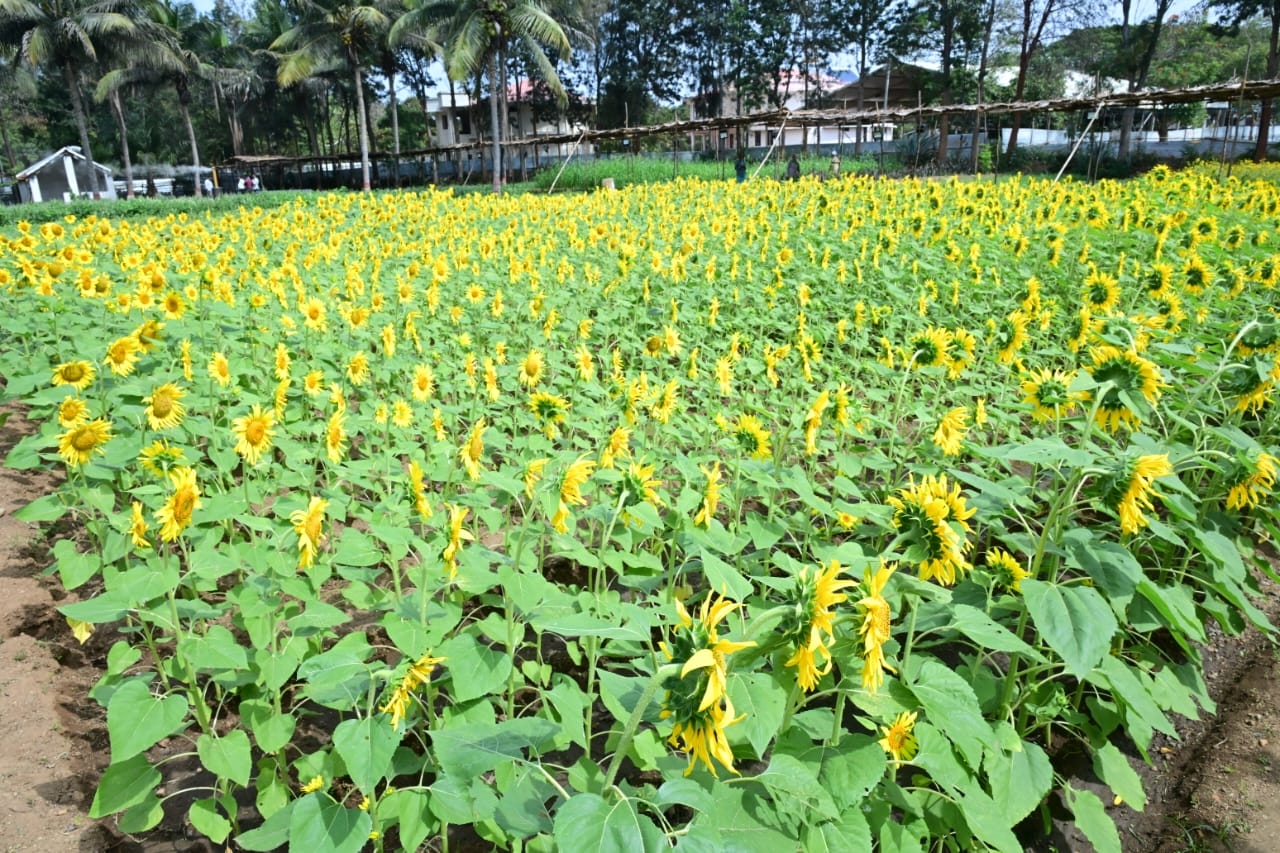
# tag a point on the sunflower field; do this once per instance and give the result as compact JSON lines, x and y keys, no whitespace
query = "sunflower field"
{"x":814,"y":516}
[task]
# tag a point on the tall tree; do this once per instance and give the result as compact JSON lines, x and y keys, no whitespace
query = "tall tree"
{"x":1035,"y":22}
{"x":1230,"y":15}
{"x":332,"y":29}
{"x":166,"y":56}
{"x":947,"y":29}
{"x":1138,"y":43}
{"x":66,"y":36}
{"x":477,"y":34}
{"x":639,"y":61}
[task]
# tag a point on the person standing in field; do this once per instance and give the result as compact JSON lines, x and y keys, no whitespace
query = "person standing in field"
{"x":793,"y":168}
{"x":740,"y":167}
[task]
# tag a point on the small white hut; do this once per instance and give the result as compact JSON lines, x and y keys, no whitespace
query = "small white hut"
{"x":63,"y":176}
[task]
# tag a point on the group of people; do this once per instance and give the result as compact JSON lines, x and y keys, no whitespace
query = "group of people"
{"x":793,"y":167}
{"x":244,"y":184}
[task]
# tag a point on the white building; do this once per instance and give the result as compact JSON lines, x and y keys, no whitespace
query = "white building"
{"x":63,"y":176}
{"x":455,"y":117}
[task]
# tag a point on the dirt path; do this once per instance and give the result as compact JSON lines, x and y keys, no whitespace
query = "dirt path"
{"x":47,"y":770}
{"x":1215,"y":790}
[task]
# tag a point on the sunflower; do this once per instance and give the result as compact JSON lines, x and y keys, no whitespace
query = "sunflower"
{"x":457,"y":535}
{"x":173,"y":305}
{"x":72,"y":411}
{"x":175,"y":514}
{"x":1196,"y":274}
{"x":638,"y":486}
{"x":158,"y":457}
{"x":752,"y":437}
{"x":899,"y":741}
{"x":1049,"y":393}
{"x":358,"y":368}
{"x":533,"y":474}
{"x":951,"y":431}
{"x":813,"y":622}
{"x":1129,"y":489}
{"x":164,"y":407}
{"x":423,"y":384}
{"x":1101,"y":292}
{"x":335,"y":436}
{"x":138,"y":527}
{"x":875,"y":628}
{"x":575,"y":476}
{"x":307,"y":523}
{"x":313,"y":314}
{"x":282,"y":361}
{"x":417,"y":483}
{"x":699,"y":706}
{"x":532,"y":368}
{"x":1132,"y":377}
{"x":617,"y":445}
{"x":122,"y":355}
{"x":220,"y":369}
{"x":471,"y":452}
{"x":253,"y":433}
{"x":401,"y":414}
{"x":813,"y":422}
{"x":710,"y":495}
{"x":1256,"y":485}
{"x":78,"y":444}
{"x":148,"y":335}
{"x":419,"y":675}
{"x":1007,"y":569}
{"x":77,"y":374}
{"x":1008,"y":336}
{"x":548,"y":410}
{"x":934,"y":519}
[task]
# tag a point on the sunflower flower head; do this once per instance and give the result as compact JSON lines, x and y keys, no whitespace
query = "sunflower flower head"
{"x":812,"y":623}
{"x":82,"y":440}
{"x":309,"y":525}
{"x":933,"y":518}
{"x":875,"y":628}
{"x":1131,"y":377}
{"x":697,"y":699}
{"x":571,"y":483}
{"x":899,"y":740}
{"x":1007,"y":569}
{"x":1256,"y":485}
{"x":1129,"y":488}
{"x":949,"y":435}
{"x":175,"y":515}
{"x":418,"y":675}
{"x":77,"y":374}
{"x":472,"y":451}
{"x":1049,"y":393}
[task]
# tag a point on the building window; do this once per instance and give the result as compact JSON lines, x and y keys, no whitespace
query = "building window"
{"x":464,"y":124}
{"x":757,"y":139}
{"x":444,"y":121}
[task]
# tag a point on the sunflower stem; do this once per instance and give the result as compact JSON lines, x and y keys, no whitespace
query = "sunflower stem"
{"x":633,"y":722}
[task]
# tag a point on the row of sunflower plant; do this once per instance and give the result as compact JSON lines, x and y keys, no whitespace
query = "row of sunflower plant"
{"x":768,"y":516}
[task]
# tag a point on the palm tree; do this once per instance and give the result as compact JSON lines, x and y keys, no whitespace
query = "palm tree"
{"x":17,"y":85}
{"x":66,"y":35}
{"x":476,"y":34}
{"x":335,"y":29}
{"x":154,"y":56}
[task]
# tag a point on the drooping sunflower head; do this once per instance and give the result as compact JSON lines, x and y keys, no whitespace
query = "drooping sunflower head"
{"x":1049,"y":393}
{"x":1127,"y":487}
{"x":1262,"y":337}
{"x":929,"y":348}
{"x":1101,"y":292}
{"x":1196,"y":274}
{"x":1008,"y":336}
{"x":1007,"y":569}
{"x":752,"y":437}
{"x":933,"y":518}
{"x":1132,"y":379}
{"x":1249,"y":386}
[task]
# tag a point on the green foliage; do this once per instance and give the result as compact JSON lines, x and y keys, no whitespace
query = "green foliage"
{"x":830,"y":515}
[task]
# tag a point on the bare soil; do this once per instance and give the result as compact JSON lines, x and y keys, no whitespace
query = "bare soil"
{"x":1216,"y":788}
